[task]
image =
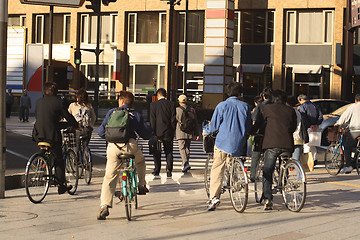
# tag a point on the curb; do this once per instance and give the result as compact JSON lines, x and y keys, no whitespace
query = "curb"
{"x":14,"y":181}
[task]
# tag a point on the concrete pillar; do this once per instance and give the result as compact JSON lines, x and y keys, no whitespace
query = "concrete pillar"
{"x":218,"y":49}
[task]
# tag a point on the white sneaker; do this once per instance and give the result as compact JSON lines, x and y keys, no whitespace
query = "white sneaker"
{"x":347,"y":170}
{"x":213,"y":204}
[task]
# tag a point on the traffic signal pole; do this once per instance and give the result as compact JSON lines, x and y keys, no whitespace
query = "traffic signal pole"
{"x":3,"y":57}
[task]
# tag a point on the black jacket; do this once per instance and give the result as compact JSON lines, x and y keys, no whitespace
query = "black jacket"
{"x":48,"y":112}
{"x":163,"y":119}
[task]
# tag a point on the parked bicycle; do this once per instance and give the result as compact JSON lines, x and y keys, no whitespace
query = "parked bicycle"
{"x":289,"y":180}
{"x":334,"y":155}
{"x":235,"y":181}
{"x":40,"y":171}
{"x":128,"y":183}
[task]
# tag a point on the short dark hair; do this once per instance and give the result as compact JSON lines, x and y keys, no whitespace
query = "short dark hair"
{"x":50,"y":89}
{"x":82,"y":96}
{"x":291,"y":100}
{"x":257,"y":99}
{"x":161,"y":92}
{"x":234,"y":89}
{"x":357,"y":97}
{"x":266,"y":92}
{"x":279,"y":96}
{"x":128,"y":97}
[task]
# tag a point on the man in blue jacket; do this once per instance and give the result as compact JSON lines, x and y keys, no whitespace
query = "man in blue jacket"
{"x":232,"y":120}
{"x":137,"y":124}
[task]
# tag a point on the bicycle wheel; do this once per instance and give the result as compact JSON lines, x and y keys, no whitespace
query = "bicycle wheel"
{"x":208,"y":165}
{"x":87,"y":164}
{"x":238,"y":185}
{"x":135,"y":190}
{"x":333,"y":159}
{"x":37,"y":178}
{"x":128,"y":199}
{"x":259,"y":180}
{"x":293,"y":184}
{"x":71,"y":170}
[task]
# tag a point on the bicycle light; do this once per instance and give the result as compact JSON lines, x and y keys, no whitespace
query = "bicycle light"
{"x":124,"y":177}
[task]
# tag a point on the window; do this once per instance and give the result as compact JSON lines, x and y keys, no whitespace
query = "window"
{"x":61,"y":28}
{"x":236,"y":26}
{"x":17,"y":20}
{"x":108,"y":28}
{"x":67,"y":25}
{"x":132,"y":30}
{"x":144,"y":75}
{"x":39,"y":29}
{"x":256,"y":26}
{"x":163,"y":27}
{"x":306,"y":27}
{"x":196,"y":27}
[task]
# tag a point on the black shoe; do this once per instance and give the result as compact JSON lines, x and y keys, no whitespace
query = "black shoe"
{"x":186,"y":168}
{"x":156,"y":174}
{"x":142,"y":190}
{"x":104,"y":212}
{"x":63,"y":189}
{"x":315,"y":162}
{"x":168,"y":174}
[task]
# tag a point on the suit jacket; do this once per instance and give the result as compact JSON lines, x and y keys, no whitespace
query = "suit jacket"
{"x":281,"y":122}
{"x":48,"y":112}
{"x":163,"y":119}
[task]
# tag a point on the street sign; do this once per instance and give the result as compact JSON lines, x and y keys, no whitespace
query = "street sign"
{"x":57,"y":3}
{"x":355,"y":13}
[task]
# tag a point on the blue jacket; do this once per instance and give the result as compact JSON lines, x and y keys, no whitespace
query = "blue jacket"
{"x":232,"y":119}
{"x":137,"y":124}
{"x":310,"y":113}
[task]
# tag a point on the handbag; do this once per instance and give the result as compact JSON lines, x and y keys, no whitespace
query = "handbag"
{"x":154,"y":145}
{"x":314,"y":138}
{"x":307,"y":162}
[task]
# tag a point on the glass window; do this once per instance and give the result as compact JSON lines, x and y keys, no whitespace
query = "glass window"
{"x":144,"y":75}
{"x":270,"y":26}
{"x":114,"y":28}
{"x":163,"y":27}
{"x":253,"y":27}
{"x":84,"y":28}
{"x":182,"y":27}
{"x":131,"y":78}
{"x":14,"y":20}
{"x":310,"y":27}
{"x":131,"y":28}
{"x":196,"y":26}
{"x":23,"y":21}
{"x":147,"y":27}
{"x":290,"y":27}
{"x":67,"y":27}
{"x":105,"y":29}
{"x":39,"y":29}
{"x":236,"y":26}
{"x":328,"y":26}
{"x":103,"y":73}
{"x":58,"y":21}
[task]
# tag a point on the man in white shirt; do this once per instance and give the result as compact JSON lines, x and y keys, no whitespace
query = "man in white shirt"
{"x":350,"y":118}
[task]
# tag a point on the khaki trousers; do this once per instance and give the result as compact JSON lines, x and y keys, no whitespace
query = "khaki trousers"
{"x":217,"y":172}
{"x":113,"y":163}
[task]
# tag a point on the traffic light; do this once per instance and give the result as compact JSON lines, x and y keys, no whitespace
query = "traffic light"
{"x":106,"y":2}
{"x":77,"y":57}
{"x":95,"y":5}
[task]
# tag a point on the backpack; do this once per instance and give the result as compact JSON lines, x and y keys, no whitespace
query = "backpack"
{"x":188,"y":121}
{"x":83,"y":117}
{"x":117,"y":130}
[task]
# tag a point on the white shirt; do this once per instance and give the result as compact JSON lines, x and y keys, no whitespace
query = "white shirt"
{"x":351,"y":117}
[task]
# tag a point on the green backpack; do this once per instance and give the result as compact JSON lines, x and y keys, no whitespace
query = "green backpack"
{"x":117,"y":130}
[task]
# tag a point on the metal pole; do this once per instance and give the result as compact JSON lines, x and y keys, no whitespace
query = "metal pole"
{"x":97,"y":54}
{"x":3,"y":57}
{"x":346,"y":89}
{"x":186,"y":47}
{"x":50,"y":65}
{"x":170,"y":42}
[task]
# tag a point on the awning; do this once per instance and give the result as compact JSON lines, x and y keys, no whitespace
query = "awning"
{"x":308,"y":69}
{"x":251,"y":68}
{"x":356,"y":70}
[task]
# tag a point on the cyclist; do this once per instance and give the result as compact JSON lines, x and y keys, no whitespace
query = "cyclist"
{"x":281,"y":122}
{"x":350,"y":118}
{"x":84,"y":114}
{"x":232,"y":119}
{"x":48,"y":112}
{"x":137,"y":124}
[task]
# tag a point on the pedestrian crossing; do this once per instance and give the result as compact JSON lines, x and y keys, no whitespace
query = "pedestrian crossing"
{"x":197,"y":155}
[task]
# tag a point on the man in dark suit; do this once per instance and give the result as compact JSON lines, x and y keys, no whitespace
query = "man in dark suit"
{"x":163,"y":122}
{"x":48,"y":112}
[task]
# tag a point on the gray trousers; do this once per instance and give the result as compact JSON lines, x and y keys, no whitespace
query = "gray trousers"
{"x":184,"y":148}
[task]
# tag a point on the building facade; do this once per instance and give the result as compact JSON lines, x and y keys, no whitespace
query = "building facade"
{"x":291,"y":45}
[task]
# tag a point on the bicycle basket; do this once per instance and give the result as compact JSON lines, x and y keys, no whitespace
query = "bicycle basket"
{"x":69,"y":139}
{"x":208,"y":144}
{"x":333,"y":134}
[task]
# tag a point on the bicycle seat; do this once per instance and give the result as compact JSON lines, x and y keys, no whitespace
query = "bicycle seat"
{"x":44,"y":144}
{"x":126,"y":156}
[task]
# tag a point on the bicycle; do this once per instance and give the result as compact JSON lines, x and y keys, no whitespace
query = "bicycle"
{"x":235,"y":181}
{"x":334,"y":155}
{"x":40,"y":172}
{"x":85,"y":159}
{"x":128,"y":183}
{"x":290,"y":180}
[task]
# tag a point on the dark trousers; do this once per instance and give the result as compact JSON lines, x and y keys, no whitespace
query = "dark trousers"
{"x":168,"y":149}
{"x":350,"y":142}
{"x":59,"y":163}
{"x":24,"y":114}
{"x":270,"y":157}
{"x":255,"y":157}
{"x":8,"y":110}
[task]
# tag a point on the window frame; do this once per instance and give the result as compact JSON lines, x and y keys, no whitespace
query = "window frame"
{"x":84,"y":35}
{"x":37,"y":29}
{"x":135,"y":27}
{"x":64,"y":29}
{"x":160,"y":26}
{"x":114,"y":18}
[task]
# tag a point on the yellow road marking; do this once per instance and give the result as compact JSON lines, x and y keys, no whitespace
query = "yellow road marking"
{"x":335,"y":183}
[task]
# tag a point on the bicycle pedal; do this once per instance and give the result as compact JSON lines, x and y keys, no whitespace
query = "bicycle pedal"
{"x":119,"y":195}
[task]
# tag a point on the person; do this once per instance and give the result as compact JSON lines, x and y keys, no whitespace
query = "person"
{"x":163,"y":122}
{"x":138,"y":125}
{"x":298,"y":141}
{"x":281,"y":123}
{"x":258,"y":138}
{"x":184,"y":139}
{"x":232,"y":120}
{"x":351,"y":119}
{"x":48,"y":113}
{"x":9,"y":102}
{"x":84,"y":114}
{"x":25,"y":105}
{"x":312,"y":116}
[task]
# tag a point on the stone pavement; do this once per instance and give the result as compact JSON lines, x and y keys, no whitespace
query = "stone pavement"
{"x":176,"y":209}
